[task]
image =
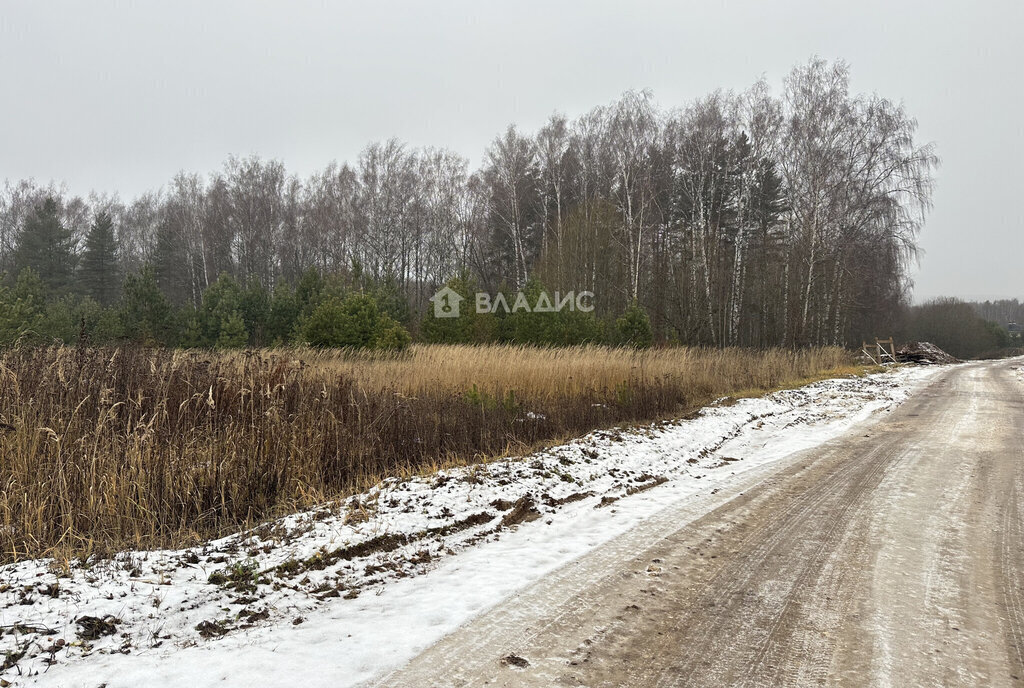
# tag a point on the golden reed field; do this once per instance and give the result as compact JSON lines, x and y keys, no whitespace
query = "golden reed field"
{"x":121,"y":448}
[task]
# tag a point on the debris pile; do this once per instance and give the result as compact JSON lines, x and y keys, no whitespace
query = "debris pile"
{"x":923,"y":353}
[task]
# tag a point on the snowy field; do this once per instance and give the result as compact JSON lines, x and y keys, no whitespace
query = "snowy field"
{"x":340,"y":595}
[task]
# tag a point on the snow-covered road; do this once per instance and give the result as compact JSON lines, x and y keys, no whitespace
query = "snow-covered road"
{"x":348,"y":593}
{"x":889,"y":556}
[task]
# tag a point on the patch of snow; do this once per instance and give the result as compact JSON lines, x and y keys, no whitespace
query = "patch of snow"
{"x":339,"y":595}
{"x":1018,"y":372}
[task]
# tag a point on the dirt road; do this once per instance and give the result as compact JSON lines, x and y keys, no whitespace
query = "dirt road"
{"x":890,"y":557}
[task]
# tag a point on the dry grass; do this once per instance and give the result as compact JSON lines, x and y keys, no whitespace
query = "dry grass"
{"x":108,"y":449}
{"x":569,"y":372}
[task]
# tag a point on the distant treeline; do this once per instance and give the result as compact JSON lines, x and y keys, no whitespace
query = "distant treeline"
{"x":1004,"y":311}
{"x":344,"y":309}
{"x":966,"y":330}
{"x":740,"y":219}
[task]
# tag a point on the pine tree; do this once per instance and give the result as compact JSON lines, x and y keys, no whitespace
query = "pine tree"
{"x":452,"y":330}
{"x":355,"y":322}
{"x":22,"y":309}
{"x":233,"y":334}
{"x":146,"y":314}
{"x":47,"y":247}
{"x":309,"y":290}
{"x":634,"y":327}
{"x":99,"y":273}
{"x":255,"y":312}
{"x":220,"y":300}
{"x":284,"y":312}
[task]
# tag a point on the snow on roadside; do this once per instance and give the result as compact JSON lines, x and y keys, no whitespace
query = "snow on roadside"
{"x":338,"y":595}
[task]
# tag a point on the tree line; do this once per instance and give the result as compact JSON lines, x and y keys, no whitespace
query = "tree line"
{"x":1003,"y":311}
{"x":739,"y":219}
{"x":964,"y":329}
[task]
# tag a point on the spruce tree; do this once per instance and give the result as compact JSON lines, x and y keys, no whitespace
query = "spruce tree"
{"x":47,"y":247}
{"x":99,"y":273}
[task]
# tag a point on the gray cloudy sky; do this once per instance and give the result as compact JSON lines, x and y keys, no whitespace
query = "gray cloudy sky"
{"x":118,"y":96}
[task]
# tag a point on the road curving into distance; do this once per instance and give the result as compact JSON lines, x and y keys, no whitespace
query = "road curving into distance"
{"x":891,"y":556}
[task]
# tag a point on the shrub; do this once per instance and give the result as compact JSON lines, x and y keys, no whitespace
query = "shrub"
{"x":566,"y":327}
{"x":233,"y":334}
{"x":633,"y":328}
{"x":355,"y":322}
{"x":22,"y":309}
{"x":470,"y":327}
{"x":146,"y":314}
{"x":391,"y":336}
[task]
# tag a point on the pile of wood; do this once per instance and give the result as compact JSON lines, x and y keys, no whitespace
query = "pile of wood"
{"x":924,"y":353}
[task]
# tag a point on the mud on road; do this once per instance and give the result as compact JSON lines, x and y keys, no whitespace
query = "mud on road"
{"x":891,"y":556}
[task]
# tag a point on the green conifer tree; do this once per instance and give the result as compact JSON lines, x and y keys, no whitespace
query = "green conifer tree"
{"x":47,"y":248}
{"x":146,"y":314}
{"x":99,"y":273}
{"x":233,"y":334}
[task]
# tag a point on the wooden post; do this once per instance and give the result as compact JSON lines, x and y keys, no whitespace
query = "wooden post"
{"x":881,"y":351}
{"x":886,"y":350}
{"x":864,"y":349}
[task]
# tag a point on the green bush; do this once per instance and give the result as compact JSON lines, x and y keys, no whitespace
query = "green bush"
{"x":633,"y":328}
{"x":22,"y":309}
{"x":233,"y":334}
{"x":355,"y":322}
{"x":566,"y":327}
{"x":469,"y":328}
{"x":100,"y":325}
{"x":391,"y":336}
{"x":146,"y":314}
{"x":285,"y":309}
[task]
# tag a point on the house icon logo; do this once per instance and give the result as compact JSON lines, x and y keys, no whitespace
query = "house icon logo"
{"x":446,"y":303}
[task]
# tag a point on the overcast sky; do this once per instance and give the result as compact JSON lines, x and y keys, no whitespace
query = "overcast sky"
{"x":118,"y":96}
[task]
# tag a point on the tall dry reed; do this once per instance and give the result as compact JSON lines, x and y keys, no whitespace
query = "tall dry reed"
{"x":107,"y":449}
